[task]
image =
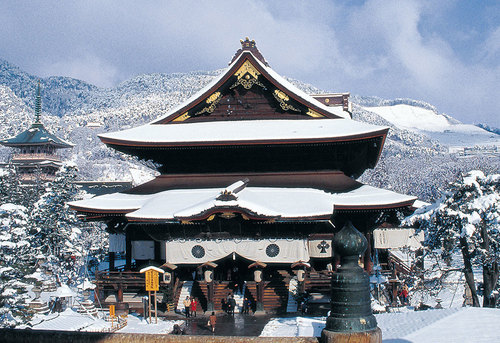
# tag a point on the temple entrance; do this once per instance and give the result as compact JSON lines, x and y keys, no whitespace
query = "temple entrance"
{"x":233,"y":268}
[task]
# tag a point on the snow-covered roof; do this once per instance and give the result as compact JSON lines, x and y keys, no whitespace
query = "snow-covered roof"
{"x":287,"y":204}
{"x":246,"y":131}
{"x":339,"y":124}
{"x":290,"y":88}
{"x":37,"y":134}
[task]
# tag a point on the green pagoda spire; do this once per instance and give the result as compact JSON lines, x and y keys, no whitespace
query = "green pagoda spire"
{"x":38,"y":106}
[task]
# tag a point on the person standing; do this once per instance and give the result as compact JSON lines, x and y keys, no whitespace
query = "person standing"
{"x":212,"y":320}
{"x":232,"y":305}
{"x":194,"y":305}
{"x":187,"y":305}
{"x":246,"y":306}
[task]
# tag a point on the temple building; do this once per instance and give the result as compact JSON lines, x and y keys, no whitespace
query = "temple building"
{"x":256,"y":178}
{"x":35,"y":149}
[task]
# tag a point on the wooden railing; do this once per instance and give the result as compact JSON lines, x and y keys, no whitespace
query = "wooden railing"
{"x":37,"y":176}
{"x":117,"y":278}
{"x":36,"y":156}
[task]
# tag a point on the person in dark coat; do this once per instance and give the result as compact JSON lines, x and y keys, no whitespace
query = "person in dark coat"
{"x":246,"y":305}
{"x":232,"y":305}
{"x":178,"y":331}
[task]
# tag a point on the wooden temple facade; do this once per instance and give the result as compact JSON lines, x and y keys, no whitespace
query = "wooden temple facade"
{"x":256,"y":178}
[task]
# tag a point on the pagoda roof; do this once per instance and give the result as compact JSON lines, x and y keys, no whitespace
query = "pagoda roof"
{"x":37,"y":134}
{"x":244,"y":132}
{"x":256,"y":203}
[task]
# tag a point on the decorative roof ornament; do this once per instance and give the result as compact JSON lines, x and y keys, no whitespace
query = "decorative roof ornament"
{"x":249,"y":45}
{"x":38,"y":106}
{"x":229,"y":193}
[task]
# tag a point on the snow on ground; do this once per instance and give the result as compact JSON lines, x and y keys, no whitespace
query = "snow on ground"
{"x":463,"y":324}
{"x":436,"y":126}
{"x":70,"y":320}
{"x":294,"y":326}
{"x":136,"y":324}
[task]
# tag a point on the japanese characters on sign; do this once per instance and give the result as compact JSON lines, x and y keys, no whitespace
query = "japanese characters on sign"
{"x":152,"y":280}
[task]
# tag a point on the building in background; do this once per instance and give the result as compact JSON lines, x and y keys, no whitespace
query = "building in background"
{"x":35,"y":149}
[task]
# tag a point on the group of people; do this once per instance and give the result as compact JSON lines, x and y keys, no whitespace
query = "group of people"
{"x":190,"y":306}
{"x":229,"y":305}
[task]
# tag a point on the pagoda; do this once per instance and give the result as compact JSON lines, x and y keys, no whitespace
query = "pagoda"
{"x":35,"y":149}
{"x":256,"y":178}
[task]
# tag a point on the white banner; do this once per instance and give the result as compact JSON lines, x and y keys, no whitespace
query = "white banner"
{"x":397,"y":238}
{"x":320,"y":247}
{"x":266,"y":250}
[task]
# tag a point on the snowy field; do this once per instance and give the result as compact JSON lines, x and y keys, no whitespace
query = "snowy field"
{"x":465,"y":324}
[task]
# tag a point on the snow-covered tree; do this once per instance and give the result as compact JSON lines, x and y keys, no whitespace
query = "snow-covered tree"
{"x":16,"y":262}
{"x":37,"y":229}
{"x":466,"y":221}
{"x":60,"y":235}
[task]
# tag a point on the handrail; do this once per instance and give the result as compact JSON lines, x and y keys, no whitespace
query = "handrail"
{"x":36,"y":156}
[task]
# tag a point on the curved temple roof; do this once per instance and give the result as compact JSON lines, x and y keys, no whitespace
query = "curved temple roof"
{"x":37,"y":134}
{"x":259,"y":203}
{"x":244,"y":132}
{"x":173,"y":127}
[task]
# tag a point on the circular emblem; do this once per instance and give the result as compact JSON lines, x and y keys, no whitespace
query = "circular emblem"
{"x":272,"y":250}
{"x":198,"y":251}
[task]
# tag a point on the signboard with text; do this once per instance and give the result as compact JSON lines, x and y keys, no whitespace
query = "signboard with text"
{"x":152,"y":280}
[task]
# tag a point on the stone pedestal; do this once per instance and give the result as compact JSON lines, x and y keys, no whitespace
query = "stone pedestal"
{"x":351,"y":318}
{"x":372,"y":336}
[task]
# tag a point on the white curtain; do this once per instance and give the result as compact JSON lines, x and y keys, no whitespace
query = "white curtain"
{"x":116,"y":243}
{"x":143,"y":250}
{"x":397,"y":238}
{"x":266,"y":250}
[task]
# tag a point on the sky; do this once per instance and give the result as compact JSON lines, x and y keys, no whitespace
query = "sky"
{"x":446,"y":53}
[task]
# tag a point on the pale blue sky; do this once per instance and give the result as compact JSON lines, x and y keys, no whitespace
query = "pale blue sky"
{"x":444,"y":52}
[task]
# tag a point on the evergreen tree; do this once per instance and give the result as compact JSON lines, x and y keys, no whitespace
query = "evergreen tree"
{"x":17,"y":261}
{"x":41,"y":231}
{"x":467,"y":221}
{"x":61,"y":237}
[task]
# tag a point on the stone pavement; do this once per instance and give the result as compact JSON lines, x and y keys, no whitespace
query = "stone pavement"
{"x":237,"y":325}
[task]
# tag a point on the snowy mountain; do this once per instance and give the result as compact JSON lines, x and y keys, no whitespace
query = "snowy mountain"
{"x":444,"y":129}
{"x":77,"y":112}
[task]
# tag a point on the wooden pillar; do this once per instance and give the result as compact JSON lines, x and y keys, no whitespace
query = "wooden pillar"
{"x":111,"y":257}
{"x":210,"y":288}
{"x":259,"y":306}
{"x":120,"y":293}
{"x":128,"y":251}
{"x":157,"y":249}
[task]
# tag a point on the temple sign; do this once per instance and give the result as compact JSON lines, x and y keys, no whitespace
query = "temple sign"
{"x":152,"y":283}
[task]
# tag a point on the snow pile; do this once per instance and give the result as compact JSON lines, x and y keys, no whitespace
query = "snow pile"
{"x":137,"y":324}
{"x":466,"y":324}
